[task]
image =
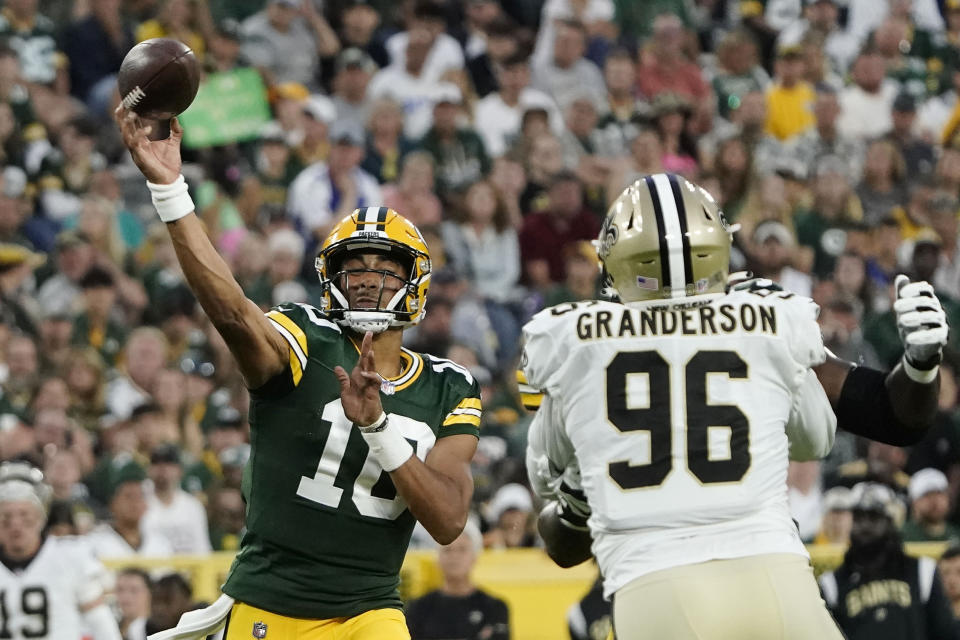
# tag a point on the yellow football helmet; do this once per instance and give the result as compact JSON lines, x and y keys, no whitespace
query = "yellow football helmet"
{"x":383,"y":230}
{"x":664,"y":237}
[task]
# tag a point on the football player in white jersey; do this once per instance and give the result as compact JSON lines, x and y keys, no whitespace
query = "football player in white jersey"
{"x":49,"y":588}
{"x":667,"y":421}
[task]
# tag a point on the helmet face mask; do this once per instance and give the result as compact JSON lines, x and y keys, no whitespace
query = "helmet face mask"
{"x":375,"y":231}
{"x":664,"y":238}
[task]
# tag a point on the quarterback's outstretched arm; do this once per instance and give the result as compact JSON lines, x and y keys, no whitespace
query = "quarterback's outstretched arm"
{"x":260,"y":350}
{"x":896,"y":407}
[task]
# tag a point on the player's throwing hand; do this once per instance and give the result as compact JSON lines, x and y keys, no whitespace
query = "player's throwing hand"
{"x":159,"y":160}
{"x":921,"y":322}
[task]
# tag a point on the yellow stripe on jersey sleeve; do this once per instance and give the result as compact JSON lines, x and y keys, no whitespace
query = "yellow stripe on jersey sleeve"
{"x":297,"y":340}
{"x":468,"y":411}
{"x":530,"y":398}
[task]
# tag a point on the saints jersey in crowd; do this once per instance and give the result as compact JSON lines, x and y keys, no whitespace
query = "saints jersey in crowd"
{"x":682,"y":416}
{"x":327,"y":531}
{"x":44,"y":597}
{"x":904,"y":599}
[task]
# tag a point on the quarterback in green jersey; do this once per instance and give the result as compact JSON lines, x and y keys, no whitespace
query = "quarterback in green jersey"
{"x":353,"y":437}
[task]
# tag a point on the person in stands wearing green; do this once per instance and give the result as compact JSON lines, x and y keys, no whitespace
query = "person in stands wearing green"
{"x":342,"y":464}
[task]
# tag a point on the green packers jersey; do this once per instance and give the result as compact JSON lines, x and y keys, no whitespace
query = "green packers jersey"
{"x":326,"y":530}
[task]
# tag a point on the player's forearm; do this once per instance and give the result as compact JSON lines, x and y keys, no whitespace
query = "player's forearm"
{"x":438,"y":501}
{"x":207,"y":273}
{"x":914,"y":403}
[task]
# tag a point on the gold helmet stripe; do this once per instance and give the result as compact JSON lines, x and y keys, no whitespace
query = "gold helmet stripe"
{"x":671,"y":236}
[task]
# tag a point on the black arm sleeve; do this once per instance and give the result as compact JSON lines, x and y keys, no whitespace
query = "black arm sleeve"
{"x":865,"y":410}
{"x":941,"y":623}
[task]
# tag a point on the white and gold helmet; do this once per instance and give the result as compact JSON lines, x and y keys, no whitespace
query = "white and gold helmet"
{"x":375,"y":229}
{"x":664,"y":237}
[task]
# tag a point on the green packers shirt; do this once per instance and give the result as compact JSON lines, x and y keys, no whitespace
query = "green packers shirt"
{"x":326,"y":529}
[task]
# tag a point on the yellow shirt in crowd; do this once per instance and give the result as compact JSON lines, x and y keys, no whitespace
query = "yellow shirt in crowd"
{"x":790,"y":111}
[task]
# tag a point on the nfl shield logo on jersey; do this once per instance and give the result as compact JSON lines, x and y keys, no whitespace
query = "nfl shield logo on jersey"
{"x":259,"y":630}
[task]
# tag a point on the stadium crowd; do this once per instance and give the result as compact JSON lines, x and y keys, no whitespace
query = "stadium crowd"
{"x":829,"y":130}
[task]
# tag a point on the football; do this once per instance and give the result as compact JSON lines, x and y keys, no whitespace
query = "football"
{"x":159,"y":78}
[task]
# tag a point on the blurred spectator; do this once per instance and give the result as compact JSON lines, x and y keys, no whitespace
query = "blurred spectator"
{"x":918,"y":154}
{"x":671,"y":114}
{"x":805,"y":496}
{"x":773,"y":253}
{"x":74,"y":256}
{"x":286,"y":40}
{"x":413,"y":194}
{"x":457,"y":150}
{"x":227,"y":516}
{"x":386,"y":144}
{"x":566,"y":71}
{"x":822,"y":17}
{"x":738,"y":71}
{"x":864,"y":16}
{"x":314,"y":145}
{"x":84,"y":372}
{"x":949,"y":566}
{"x":324,"y":193}
{"x":510,"y":514}
{"x":883,"y":262}
{"x":879,"y":590}
{"x":583,"y":275}
{"x":359,"y":22}
{"x":95,"y":46}
{"x":790,"y":98}
{"x":276,"y":167}
{"x":22,"y":371}
{"x":624,"y":110}
{"x":665,"y":66}
{"x":152,"y":428}
{"x":935,"y":113}
{"x":841,"y":322}
{"x":825,"y":140}
{"x":170,"y":597}
{"x":125,"y":534}
{"x":492,"y":40}
{"x":427,"y":23}
{"x":181,"y":20}
{"x":144,"y":354}
{"x":835,"y":209}
{"x":837,"y":517}
{"x":410,"y":84}
{"x":929,"y":506}
{"x":232,"y":460}
{"x":545,"y":235}
{"x":32,"y":35}
{"x":850,"y":279}
{"x":354,"y":69}
{"x":172,"y":512}
{"x":499,"y":114}
{"x":581,"y":140}
{"x":67,"y":171}
{"x":865,"y":106}
{"x":224,"y":51}
{"x":133,"y":602}
{"x":882,"y":188}
{"x":458,"y":609}
{"x":55,"y":338}
{"x":943,"y":219}
{"x":591,"y":617}
{"x":96,"y":325}
{"x":544,"y":161}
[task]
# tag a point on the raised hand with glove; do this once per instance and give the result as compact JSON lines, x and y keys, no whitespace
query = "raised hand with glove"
{"x":923,"y":328}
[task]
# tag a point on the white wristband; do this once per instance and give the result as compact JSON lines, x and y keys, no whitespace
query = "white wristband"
{"x":388,"y":446}
{"x":920,"y":376}
{"x":172,"y":201}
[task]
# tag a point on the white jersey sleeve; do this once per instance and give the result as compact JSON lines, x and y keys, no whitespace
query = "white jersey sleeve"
{"x":549,"y":451}
{"x":812,"y":423}
{"x":543,"y":353}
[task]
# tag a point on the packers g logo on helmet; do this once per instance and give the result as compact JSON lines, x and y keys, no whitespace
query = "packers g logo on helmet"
{"x":375,"y":229}
{"x":664,"y":237}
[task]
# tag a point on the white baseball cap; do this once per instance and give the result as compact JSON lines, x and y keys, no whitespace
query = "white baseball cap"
{"x":926,"y":481}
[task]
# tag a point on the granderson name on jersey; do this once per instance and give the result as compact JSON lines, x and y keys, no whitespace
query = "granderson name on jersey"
{"x":327,"y":532}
